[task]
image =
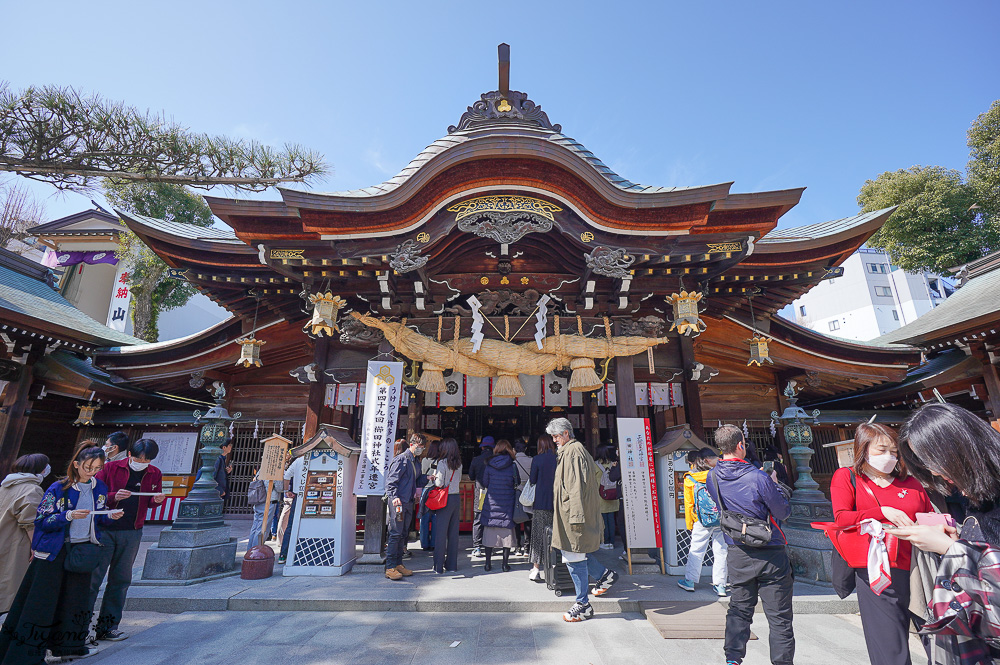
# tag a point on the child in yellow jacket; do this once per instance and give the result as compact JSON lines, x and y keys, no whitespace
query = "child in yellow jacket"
{"x":701,"y":462}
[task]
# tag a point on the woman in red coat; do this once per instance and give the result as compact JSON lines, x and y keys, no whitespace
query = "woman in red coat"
{"x":878,"y":487}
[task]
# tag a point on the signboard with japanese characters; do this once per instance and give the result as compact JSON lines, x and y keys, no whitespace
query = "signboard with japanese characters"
{"x":272,"y":462}
{"x":121,"y":298}
{"x":381,"y":402}
{"x":642,"y":512}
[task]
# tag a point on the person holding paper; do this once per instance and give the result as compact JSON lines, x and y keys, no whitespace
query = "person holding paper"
{"x":133,"y":485}
{"x":50,"y":609}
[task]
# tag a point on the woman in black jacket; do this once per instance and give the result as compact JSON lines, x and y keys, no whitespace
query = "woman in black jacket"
{"x":500,"y":480}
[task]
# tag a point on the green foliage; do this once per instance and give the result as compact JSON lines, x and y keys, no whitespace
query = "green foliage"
{"x":984,"y":160}
{"x":153,"y":292}
{"x":933,"y":228}
{"x":60,"y":136}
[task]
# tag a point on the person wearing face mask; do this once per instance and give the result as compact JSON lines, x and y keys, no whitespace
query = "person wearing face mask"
{"x":20,"y":493}
{"x":50,"y":609}
{"x":116,"y":447}
{"x":120,"y":541}
{"x":879,"y":487}
{"x":401,"y":482}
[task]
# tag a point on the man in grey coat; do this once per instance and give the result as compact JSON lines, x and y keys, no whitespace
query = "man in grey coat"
{"x":400,"y":487}
{"x":576,"y":520}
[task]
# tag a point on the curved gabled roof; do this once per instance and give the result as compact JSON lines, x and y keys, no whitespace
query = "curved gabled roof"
{"x":862,"y":225}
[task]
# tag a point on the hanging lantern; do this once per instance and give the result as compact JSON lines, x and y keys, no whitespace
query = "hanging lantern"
{"x":759,"y":353}
{"x":86,"y":416}
{"x":686,"y":315}
{"x":250,"y":352}
{"x":324,"y":317}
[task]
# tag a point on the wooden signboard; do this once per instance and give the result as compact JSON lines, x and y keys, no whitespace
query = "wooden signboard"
{"x":272,"y":462}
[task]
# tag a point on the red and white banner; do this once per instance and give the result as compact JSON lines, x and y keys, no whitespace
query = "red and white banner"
{"x":121,"y":298}
{"x":166,"y":511}
{"x":635,"y":455}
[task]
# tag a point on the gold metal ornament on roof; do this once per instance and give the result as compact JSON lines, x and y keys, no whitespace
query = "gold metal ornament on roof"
{"x":759,"y":352}
{"x":250,"y":352}
{"x":504,"y":203}
{"x":86,"y":417}
{"x":687,"y":319}
{"x":324,"y":316}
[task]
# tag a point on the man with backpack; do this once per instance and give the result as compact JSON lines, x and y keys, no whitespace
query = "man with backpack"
{"x":751,"y":506}
{"x":702,"y":516}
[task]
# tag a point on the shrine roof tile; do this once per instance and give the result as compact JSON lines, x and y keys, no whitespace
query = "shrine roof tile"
{"x":825,"y":230}
{"x":30,"y":297}
{"x":183,"y":230}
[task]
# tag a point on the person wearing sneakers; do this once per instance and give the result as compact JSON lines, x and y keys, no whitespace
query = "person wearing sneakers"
{"x":740,"y":487}
{"x":476,"y":469}
{"x":400,"y":488}
{"x":702,"y":518}
{"x":576,"y":520}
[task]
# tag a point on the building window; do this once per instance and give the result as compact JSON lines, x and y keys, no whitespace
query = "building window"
{"x":802,"y":310}
{"x":835,"y":325}
{"x":895,"y":315}
{"x":883,"y":291}
{"x":877,"y":268}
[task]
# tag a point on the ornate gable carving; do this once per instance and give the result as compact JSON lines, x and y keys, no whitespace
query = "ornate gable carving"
{"x":493,"y":107}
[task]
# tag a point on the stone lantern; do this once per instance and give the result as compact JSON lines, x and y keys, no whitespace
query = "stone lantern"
{"x":197,"y":547}
{"x":808,"y":549}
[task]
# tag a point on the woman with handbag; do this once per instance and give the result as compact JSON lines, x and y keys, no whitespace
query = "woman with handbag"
{"x":500,"y":483}
{"x":541,"y":480}
{"x":606,"y":459}
{"x":447,"y":479}
{"x":427,"y":465}
{"x":878,"y":487}
{"x":50,"y":610}
{"x":951,"y":450}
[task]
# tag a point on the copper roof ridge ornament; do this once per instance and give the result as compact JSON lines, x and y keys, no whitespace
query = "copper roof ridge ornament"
{"x":504,"y":105}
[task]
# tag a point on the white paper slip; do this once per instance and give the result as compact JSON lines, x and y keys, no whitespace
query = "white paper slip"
{"x":104,"y":512}
{"x":144,"y":493}
{"x":455,"y":644}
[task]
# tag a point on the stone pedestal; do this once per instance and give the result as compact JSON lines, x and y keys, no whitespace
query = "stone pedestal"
{"x":189,"y":556}
{"x":808,"y":548}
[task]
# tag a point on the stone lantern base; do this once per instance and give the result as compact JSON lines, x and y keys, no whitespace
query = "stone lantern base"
{"x":190,"y":556}
{"x":809,"y":549}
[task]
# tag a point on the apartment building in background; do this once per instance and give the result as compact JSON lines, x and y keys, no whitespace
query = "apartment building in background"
{"x":871,"y":298}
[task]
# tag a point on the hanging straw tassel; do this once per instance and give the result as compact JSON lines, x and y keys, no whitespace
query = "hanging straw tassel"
{"x":508,"y":385}
{"x":584,"y":378}
{"x":431,"y":379}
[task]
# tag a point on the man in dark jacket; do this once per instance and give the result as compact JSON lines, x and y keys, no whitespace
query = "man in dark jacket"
{"x":120,"y":540}
{"x":401,"y":481}
{"x":476,"y":469}
{"x":753,"y":571}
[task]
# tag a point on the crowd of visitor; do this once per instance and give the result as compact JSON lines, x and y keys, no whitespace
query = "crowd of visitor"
{"x":916,"y":531}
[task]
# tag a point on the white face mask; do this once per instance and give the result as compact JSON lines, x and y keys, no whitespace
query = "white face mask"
{"x":137,"y":466}
{"x":885,"y":462}
{"x":419,"y":450}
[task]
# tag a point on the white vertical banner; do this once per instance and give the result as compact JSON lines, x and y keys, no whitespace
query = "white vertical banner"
{"x":378,"y":426}
{"x":121,"y":298}
{"x":642,"y":512}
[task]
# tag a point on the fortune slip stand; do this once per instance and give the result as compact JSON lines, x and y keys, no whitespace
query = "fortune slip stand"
{"x":198,"y":547}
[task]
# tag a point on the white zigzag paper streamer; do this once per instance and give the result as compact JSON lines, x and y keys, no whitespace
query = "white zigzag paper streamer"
{"x":542,"y":318}
{"x":477,"y":323}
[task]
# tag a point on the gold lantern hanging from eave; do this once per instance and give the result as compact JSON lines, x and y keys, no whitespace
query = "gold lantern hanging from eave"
{"x":86,"y":417}
{"x":250,"y":352}
{"x":686,"y":315}
{"x":759,"y":352}
{"x":325,"y":309}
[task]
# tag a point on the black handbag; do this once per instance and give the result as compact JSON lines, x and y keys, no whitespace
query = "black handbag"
{"x":82,"y":557}
{"x":743,"y":529}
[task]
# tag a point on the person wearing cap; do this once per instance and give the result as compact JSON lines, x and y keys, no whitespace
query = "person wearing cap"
{"x":476,"y":470}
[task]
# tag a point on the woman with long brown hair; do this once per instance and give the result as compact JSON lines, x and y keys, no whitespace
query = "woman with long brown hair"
{"x":447,"y":473}
{"x":878,"y":487}
{"x":542,"y":477}
{"x":50,"y":609}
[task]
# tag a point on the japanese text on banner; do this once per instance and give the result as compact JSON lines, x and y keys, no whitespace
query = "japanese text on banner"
{"x":385,"y":381}
{"x":642,"y":513}
{"x":121,"y":298}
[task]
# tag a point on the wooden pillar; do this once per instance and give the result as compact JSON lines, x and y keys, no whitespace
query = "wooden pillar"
{"x":624,"y":384}
{"x":691,"y":389}
{"x":591,"y":422}
{"x":14,"y":415}
{"x":414,"y":414}
{"x":317,"y":389}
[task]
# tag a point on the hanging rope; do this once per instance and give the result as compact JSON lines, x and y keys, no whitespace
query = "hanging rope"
{"x":440,"y":322}
{"x":506,"y":328}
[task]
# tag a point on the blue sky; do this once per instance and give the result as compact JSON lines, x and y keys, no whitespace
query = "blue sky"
{"x":769,"y":95}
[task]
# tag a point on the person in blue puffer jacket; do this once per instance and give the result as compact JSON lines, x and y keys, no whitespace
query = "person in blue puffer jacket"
{"x":754,"y":571}
{"x":500,"y":480}
{"x":50,"y":609}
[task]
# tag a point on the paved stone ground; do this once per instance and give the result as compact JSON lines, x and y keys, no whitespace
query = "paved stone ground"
{"x":399,"y":638}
